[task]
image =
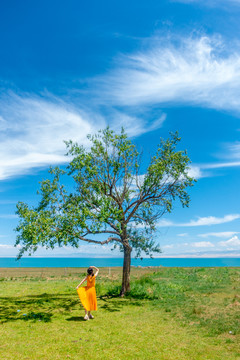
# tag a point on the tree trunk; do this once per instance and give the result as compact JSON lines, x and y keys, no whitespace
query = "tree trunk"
{"x":126,"y":270}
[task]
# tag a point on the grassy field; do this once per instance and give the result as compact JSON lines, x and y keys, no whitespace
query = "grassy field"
{"x":170,"y":313}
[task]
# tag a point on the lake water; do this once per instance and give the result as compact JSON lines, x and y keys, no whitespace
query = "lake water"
{"x":111,"y":262}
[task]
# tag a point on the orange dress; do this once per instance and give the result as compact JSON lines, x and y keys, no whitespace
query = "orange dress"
{"x":87,"y":294}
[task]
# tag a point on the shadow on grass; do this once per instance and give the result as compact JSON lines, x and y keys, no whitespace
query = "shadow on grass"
{"x":121,"y":299}
{"x":110,"y":308}
{"x":11,"y":315}
{"x":76,"y":318}
{"x":115,"y":303}
{"x":43,"y":307}
{"x":35,"y":307}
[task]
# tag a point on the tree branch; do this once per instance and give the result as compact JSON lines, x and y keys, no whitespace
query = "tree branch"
{"x":140,"y":201}
{"x":102,"y":232}
{"x":112,"y":238}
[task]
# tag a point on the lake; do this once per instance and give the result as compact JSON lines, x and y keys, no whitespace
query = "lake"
{"x":112,"y":262}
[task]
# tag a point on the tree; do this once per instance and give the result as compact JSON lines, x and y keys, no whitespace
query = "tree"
{"x":112,"y":196}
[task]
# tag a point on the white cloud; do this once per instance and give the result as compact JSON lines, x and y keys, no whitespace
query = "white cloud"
{"x":224,"y":234}
{"x":191,"y":71}
{"x":33,"y":130}
{"x":7,"y":246}
{"x":205,"y":254}
{"x":183,"y":234}
{"x":195,"y":172}
{"x":202,"y":221}
{"x":196,"y":71}
{"x":232,"y":243}
{"x":234,"y":150}
{"x":83,"y":250}
{"x":8,"y":216}
{"x":7,"y":202}
{"x":163,"y":223}
{"x":221,"y":165}
{"x":202,"y":244}
{"x":199,"y":171}
{"x":167,"y":246}
{"x":211,"y":220}
{"x":210,"y":3}
{"x":3,"y":246}
{"x":133,"y":125}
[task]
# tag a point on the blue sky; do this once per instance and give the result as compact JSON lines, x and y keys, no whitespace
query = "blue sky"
{"x":69,"y":68}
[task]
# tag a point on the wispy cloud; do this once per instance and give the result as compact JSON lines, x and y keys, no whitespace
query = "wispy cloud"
{"x":202,"y":244}
{"x":202,"y":71}
{"x":133,"y":125}
{"x":224,"y":234}
{"x":7,"y":202}
{"x":202,"y":221}
{"x":221,"y":165}
{"x":196,"y":71}
{"x":65,"y":251}
{"x":167,"y":246}
{"x":199,"y":171}
{"x":212,"y":220}
{"x":233,"y":150}
{"x":8,"y":216}
{"x":165,"y":223}
{"x":216,"y":249}
{"x":210,"y":3}
{"x":32,"y":130}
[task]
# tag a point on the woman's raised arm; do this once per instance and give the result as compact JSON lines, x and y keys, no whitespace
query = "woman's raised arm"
{"x":97,"y":270}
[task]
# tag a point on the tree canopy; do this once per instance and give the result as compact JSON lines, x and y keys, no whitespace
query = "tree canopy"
{"x":113,"y":196}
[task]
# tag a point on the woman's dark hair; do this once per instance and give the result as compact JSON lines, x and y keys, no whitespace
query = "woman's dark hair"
{"x":90,"y":271}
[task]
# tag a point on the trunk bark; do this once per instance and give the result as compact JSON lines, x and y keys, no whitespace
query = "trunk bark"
{"x":126,"y":270}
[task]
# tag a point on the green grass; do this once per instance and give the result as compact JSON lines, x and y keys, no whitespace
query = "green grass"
{"x":170,"y":313}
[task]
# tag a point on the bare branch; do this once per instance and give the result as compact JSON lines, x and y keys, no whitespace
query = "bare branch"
{"x":101,"y":232}
{"x":140,"y":201}
{"x":98,"y":242}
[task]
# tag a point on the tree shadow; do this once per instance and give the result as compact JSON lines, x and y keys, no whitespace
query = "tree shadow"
{"x":110,"y":308}
{"x":109,"y":296}
{"x":8,"y":315}
{"x":43,"y":306}
{"x":114,"y":303}
{"x":130,"y":296}
{"x":35,"y":307}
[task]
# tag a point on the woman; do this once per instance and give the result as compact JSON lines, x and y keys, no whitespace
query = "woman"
{"x":87,"y":294}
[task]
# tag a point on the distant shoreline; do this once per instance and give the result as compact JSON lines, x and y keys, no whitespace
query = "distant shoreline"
{"x":183,"y":256}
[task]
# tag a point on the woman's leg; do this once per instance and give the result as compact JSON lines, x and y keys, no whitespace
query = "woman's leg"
{"x":86,"y":315}
{"x":90,"y":315}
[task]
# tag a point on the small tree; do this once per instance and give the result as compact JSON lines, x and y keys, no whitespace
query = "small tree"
{"x":110,"y":197}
